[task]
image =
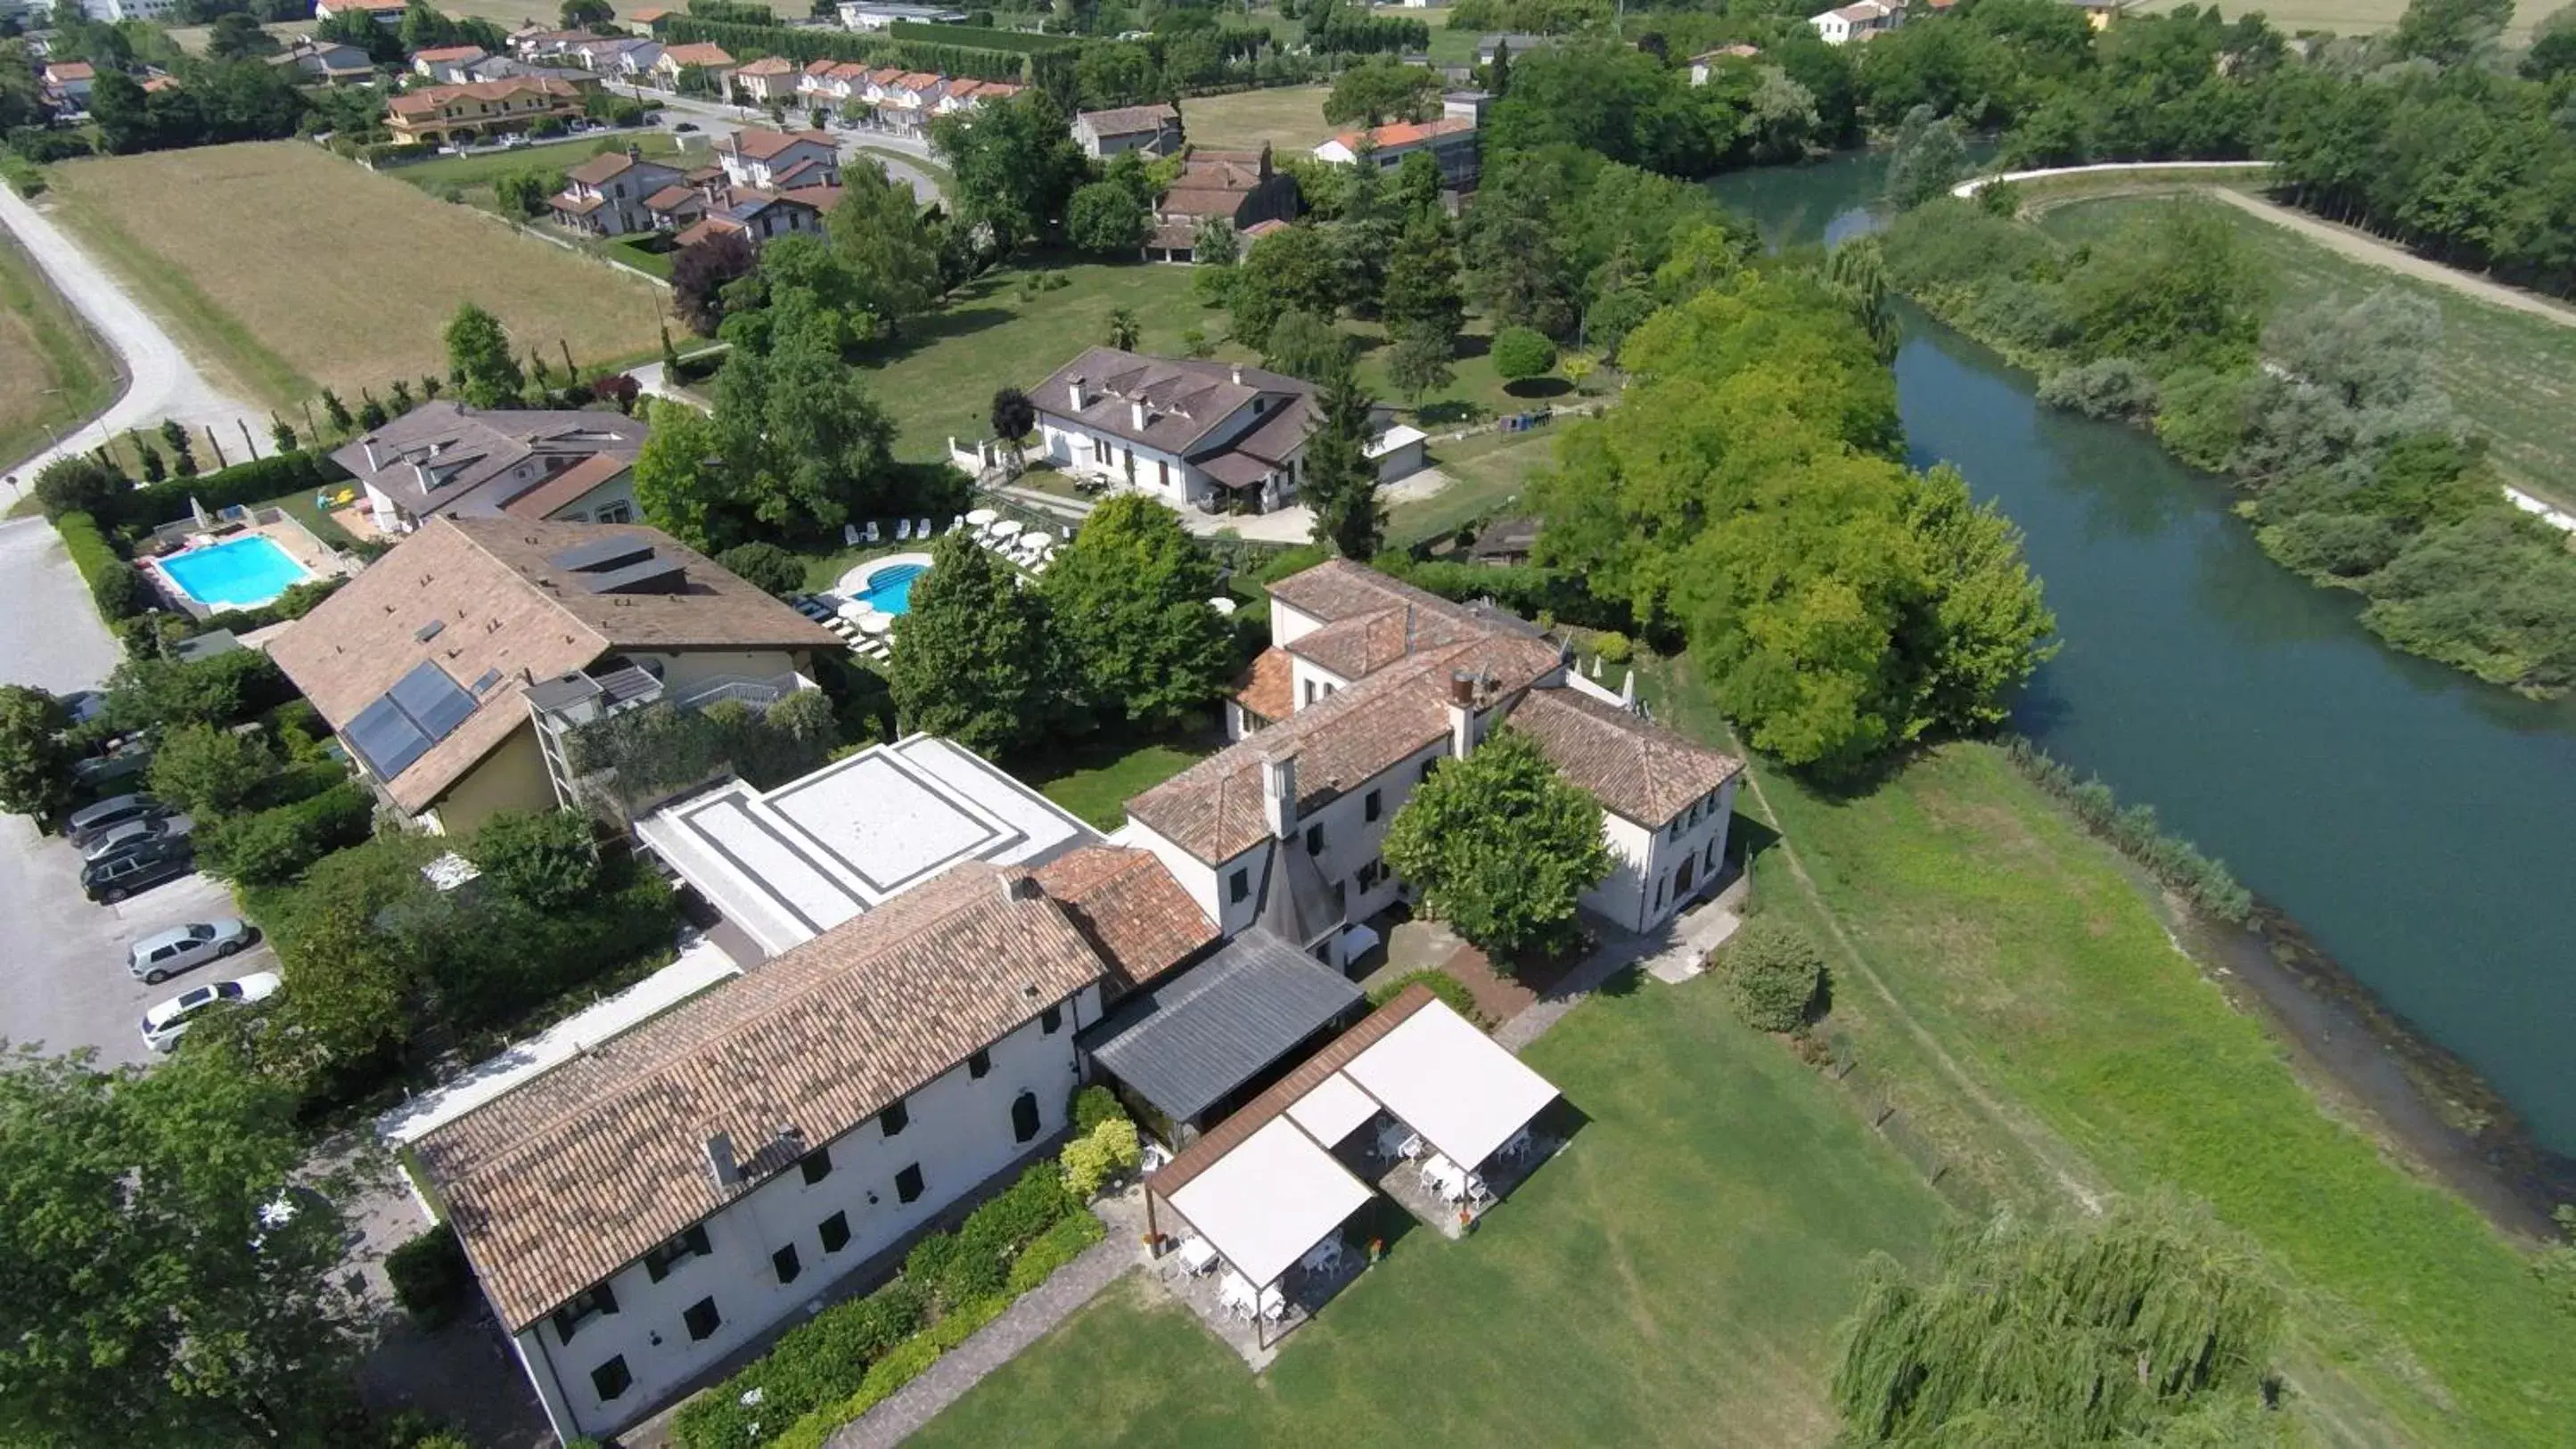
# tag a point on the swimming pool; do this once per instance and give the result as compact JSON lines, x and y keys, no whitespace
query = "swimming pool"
{"x":242,"y":574}
{"x":889,"y":587}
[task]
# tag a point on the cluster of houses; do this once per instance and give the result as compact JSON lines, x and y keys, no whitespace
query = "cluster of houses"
{"x":762,"y":184}
{"x":918,"y":957}
{"x":886,"y":96}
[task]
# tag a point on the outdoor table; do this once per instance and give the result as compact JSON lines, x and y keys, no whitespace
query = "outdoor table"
{"x":1197,"y":1255}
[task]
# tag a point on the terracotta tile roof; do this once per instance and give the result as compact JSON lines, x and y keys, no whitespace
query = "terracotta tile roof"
{"x":576,"y":205}
{"x":763,"y":144}
{"x":1185,"y":399}
{"x":71,"y":70}
{"x":502,"y":608}
{"x":600,"y":169}
{"x":1635,"y":768}
{"x":1407,"y":133}
{"x":1126,"y":903}
{"x":672,"y":198}
{"x":444,"y":457}
{"x":428,"y":99}
{"x":562,"y":1182}
{"x":1309,"y":1074}
{"x":704,"y":52}
{"x":768,"y":65}
{"x":437,"y":53}
{"x":1129,"y":120}
{"x":566,"y":486}
{"x":1267,"y":685}
{"x":703,"y":229}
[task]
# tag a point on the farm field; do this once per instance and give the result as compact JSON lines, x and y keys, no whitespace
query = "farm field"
{"x":1672,"y":1276}
{"x":2511,"y":374}
{"x":511,"y":14}
{"x":53,"y":371}
{"x":2358,"y":17}
{"x":289,"y":270}
{"x":1290,"y":118}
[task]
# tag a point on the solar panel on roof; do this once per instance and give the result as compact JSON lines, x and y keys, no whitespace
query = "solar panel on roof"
{"x":386,"y":738}
{"x":436,"y":703}
{"x":615,"y":551}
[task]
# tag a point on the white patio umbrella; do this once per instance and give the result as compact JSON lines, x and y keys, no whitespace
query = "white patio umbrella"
{"x":981,"y":516}
{"x":858,"y":611}
{"x":1222,"y":606}
{"x":1007,"y":528}
{"x":877,"y":624}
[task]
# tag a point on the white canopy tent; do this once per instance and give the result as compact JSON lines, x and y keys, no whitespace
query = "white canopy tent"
{"x":1264,"y":1204}
{"x":1451,"y":1083}
{"x":1334,"y":1110}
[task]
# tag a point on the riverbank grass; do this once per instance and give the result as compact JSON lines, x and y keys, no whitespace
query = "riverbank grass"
{"x":1672,"y":1276}
{"x":54,"y":374}
{"x":2028,"y":957}
{"x":285,"y":269}
{"x":2509,"y":373}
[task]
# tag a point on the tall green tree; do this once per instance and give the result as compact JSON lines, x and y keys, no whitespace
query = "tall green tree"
{"x":478,"y":350}
{"x":1929,"y":158}
{"x":1129,"y":599}
{"x":2153,"y":1324}
{"x":35,"y":764}
{"x":149,"y":1299}
{"x":1293,"y":267}
{"x":1341,"y":479}
{"x":891,"y":248}
{"x":1015,"y":164}
{"x":210,"y":772}
{"x":976,"y":657}
{"x":805,"y":448}
{"x":1380,"y":90}
{"x":1422,"y":288}
{"x":544,"y":860}
{"x":679,"y":476}
{"x":1105,"y":218}
{"x":1502,"y":847}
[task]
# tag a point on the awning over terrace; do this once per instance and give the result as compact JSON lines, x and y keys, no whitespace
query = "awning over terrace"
{"x":1453,"y":1084}
{"x":1264,"y":1204}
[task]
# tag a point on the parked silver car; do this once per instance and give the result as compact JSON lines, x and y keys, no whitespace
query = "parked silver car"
{"x":90,"y":822}
{"x":163,"y":1025}
{"x":164,"y":954}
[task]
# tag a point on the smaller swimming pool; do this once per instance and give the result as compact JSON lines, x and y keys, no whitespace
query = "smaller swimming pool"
{"x":889,"y":587}
{"x":242,"y":574}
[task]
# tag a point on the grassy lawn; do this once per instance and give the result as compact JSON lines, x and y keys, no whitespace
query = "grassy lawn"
{"x":2512,"y":375}
{"x":2359,"y":17}
{"x":475,"y":174}
{"x":938,"y":382}
{"x":1489,"y":470}
{"x":323,"y":525}
{"x":1095,"y":779}
{"x":1475,"y":393}
{"x":1673,"y":1276}
{"x":1290,"y":118}
{"x":288,"y":269}
{"x":54,"y":373}
{"x":2025,"y":954}
{"x":511,"y":14}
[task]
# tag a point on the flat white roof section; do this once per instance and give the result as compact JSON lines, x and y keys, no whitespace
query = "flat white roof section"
{"x":1451,"y":1083}
{"x":702,"y":965}
{"x":1334,"y":1110}
{"x":791,"y":863}
{"x":1265,"y":1203}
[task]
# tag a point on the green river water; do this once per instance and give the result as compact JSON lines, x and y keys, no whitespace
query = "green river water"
{"x":2406,"y":815}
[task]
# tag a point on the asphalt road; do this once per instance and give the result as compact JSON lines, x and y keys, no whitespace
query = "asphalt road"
{"x":160,"y":380}
{"x":713,"y":120}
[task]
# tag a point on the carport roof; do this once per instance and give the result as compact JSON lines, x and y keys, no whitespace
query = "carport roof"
{"x":1188,"y":1041}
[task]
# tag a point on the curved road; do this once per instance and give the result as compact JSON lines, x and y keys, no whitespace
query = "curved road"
{"x":160,"y":380}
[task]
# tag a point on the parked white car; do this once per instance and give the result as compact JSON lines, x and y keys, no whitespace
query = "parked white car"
{"x":163,"y":1025}
{"x":164,"y":954}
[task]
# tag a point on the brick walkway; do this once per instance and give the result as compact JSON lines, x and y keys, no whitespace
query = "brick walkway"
{"x":1000,"y":1341}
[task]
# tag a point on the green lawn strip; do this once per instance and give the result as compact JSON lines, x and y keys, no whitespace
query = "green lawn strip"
{"x":1488,"y":472}
{"x":204,"y":326}
{"x":946,"y":178}
{"x":440,"y":172}
{"x":322,"y":524}
{"x":81,"y":372}
{"x":1673,"y":1276}
{"x":2026,"y":949}
{"x":626,"y":251}
{"x":1095,"y":779}
{"x":938,"y":380}
{"x":2512,"y":375}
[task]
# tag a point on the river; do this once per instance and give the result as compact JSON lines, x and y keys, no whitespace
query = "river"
{"x":2406,"y":815}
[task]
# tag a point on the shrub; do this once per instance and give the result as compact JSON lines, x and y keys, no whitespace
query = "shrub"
{"x":1521,"y":353}
{"x":1092,"y":1106}
{"x":2112,"y":387}
{"x":1773,"y":973}
{"x":766,"y":566}
{"x":1091,"y":1160}
{"x":208,"y":771}
{"x":80,"y":484}
{"x":121,"y":591}
{"x":274,"y":846}
{"x":815,"y":1364}
{"x":430,"y":1277}
{"x":1443,"y":985}
{"x":1613,"y":647}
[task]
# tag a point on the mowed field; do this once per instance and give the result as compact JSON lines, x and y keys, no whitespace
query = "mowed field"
{"x":1290,"y":118}
{"x":53,"y":372}
{"x":288,"y":270}
{"x":2511,"y":374}
{"x":2358,"y":17}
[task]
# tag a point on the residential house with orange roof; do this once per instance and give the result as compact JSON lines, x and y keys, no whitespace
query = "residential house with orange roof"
{"x":770,"y":78}
{"x":779,"y":160}
{"x":437,"y":114}
{"x":705,"y":56}
{"x":606,"y":195}
{"x":1451,"y":141}
{"x":448,"y":64}
{"x":1243,"y":188}
{"x":68,"y":82}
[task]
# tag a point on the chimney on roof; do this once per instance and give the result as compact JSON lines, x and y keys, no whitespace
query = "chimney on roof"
{"x":721,"y":1167}
{"x":1279,"y":793}
{"x":1238,"y":374}
{"x":1136,"y":414}
{"x":1079,"y":402}
{"x":1020,"y":886}
{"x":368,"y":443}
{"x":1462,"y":713}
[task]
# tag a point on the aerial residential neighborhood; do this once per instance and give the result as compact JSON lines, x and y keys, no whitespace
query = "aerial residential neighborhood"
{"x":729,"y":726}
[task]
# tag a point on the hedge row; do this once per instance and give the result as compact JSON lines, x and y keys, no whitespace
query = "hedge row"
{"x":256,"y":481}
{"x":1441,"y":984}
{"x":117,"y":587}
{"x":274,"y":846}
{"x":1525,"y":589}
{"x":837,"y":1366}
{"x":979,"y":37}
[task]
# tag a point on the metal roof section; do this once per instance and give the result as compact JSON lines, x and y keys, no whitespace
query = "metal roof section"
{"x":1189,"y":1041}
{"x":791,"y":863}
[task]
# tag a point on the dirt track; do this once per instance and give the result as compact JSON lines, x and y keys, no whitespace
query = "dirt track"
{"x":2361,"y":246}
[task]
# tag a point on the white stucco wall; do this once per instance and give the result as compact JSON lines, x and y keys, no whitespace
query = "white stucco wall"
{"x":1651,"y":858}
{"x":959,"y":1133}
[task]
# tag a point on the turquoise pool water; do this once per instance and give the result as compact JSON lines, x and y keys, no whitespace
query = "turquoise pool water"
{"x":241,"y":574}
{"x":890,"y":589}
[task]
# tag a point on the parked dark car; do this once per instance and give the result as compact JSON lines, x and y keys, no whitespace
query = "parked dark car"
{"x":90,"y":822}
{"x":139,"y":869}
{"x":134,"y":834}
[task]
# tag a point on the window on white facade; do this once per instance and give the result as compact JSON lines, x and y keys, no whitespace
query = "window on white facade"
{"x":702,"y":1319}
{"x":816,"y":1165}
{"x":569,"y":1318}
{"x":1024,"y":1116}
{"x":617,"y":513}
{"x":835,"y":1232}
{"x":784,"y":1260}
{"x":611,"y":1379}
{"x":1711,"y":862}
{"x":907,"y":1184}
{"x":979,"y":1065}
{"x":1237,"y":886}
{"x":1659,"y":893}
{"x":1051,"y":1021}
{"x":688,"y":1243}
{"x":1314,"y":840}
{"x":1370,"y":805}
{"x":893,"y":1120}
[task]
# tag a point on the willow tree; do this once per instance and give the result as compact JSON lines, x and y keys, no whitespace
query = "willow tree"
{"x":2153,"y":1324}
